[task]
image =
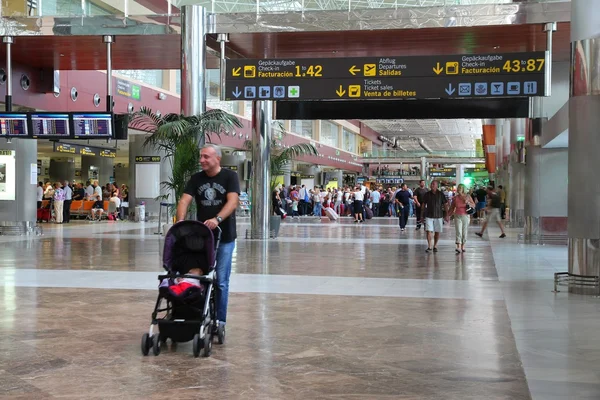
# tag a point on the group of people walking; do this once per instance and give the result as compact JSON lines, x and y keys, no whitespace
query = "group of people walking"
{"x":435,"y":208}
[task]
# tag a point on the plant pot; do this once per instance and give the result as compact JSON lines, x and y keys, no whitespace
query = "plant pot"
{"x":274,"y":225}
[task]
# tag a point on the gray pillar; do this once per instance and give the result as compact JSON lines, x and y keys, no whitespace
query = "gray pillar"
{"x":19,"y":214}
{"x":423,"y":168}
{"x":193,"y":60}
{"x":103,"y":164}
{"x":62,"y":170}
{"x":235,"y":159}
{"x":515,"y":184}
{"x":261,"y":175}
{"x":584,"y":147}
{"x":460,"y":174}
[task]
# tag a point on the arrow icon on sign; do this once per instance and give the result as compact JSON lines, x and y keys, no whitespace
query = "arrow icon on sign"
{"x":450,"y":90}
{"x":340,"y":92}
{"x":353,"y":70}
{"x":237,"y":92}
{"x":236,"y":71}
{"x":437,"y":69}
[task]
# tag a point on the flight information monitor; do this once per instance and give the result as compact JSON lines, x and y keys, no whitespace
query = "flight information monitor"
{"x":50,"y":125}
{"x":13,"y":124}
{"x":92,"y":125}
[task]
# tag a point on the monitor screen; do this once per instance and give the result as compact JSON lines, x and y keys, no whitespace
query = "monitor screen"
{"x":92,"y":125}
{"x":55,"y":125}
{"x":13,"y":124}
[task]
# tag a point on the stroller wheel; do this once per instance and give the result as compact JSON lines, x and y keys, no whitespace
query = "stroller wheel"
{"x":197,"y":345}
{"x":146,"y":344}
{"x":221,"y":334}
{"x":207,"y":345}
{"x":156,"y":344}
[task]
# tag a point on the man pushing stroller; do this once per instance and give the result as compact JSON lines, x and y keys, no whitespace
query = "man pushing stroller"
{"x":216,"y":191}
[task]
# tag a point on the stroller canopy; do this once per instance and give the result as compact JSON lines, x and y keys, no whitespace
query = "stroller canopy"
{"x":188,"y":245}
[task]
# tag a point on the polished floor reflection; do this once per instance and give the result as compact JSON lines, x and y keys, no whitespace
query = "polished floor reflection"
{"x":326,"y":311}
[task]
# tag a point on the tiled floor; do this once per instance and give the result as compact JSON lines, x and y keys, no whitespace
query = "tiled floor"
{"x":326,"y":311}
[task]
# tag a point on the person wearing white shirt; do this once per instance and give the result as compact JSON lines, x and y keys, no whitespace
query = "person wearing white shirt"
{"x":358,"y":205}
{"x":318,"y":202}
{"x":303,"y":195}
{"x":67,"y":202}
{"x":98,"y":207}
{"x":89,"y":191}
{"x":40,"y":194}
{"x":375,"y":197}
{"x":339,"y":195}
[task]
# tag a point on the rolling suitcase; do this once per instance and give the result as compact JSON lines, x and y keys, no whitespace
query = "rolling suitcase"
{"x":331,"y":214}
{"x":44,"y":214}
{"x":368,"y":212}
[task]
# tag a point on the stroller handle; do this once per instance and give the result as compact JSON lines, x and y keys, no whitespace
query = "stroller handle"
{"x":218,"y":237}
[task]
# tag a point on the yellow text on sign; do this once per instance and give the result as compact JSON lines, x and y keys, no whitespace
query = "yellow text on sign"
{"x":354,"y":91}
{"x":249,"y":71}
{"x":452,"y":68}
{"x":531,"y":65}
{"x":370,"y":69}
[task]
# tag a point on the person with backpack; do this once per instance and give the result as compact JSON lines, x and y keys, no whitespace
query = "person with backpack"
{"x":493,"y":212}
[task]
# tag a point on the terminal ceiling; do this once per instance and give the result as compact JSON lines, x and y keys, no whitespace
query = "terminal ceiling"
{"x":164,"y":51}
{"x":440,"y":135}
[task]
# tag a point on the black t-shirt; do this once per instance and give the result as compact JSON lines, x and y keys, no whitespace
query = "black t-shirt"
{"x":435,"y":204}
{"x":79,"y":194}
{"x":495,"y":200}
{"x":210,"y":194}
{"x":420,"y":193}
{"x":403,"y":197}
{"x":481,"y":195}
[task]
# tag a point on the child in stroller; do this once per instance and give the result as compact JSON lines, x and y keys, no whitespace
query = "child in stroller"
{"x":187,"y":288}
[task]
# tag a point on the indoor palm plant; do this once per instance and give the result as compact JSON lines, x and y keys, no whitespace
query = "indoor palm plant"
{"x":179,"y":138}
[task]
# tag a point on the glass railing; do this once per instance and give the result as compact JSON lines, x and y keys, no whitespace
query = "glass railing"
{"x":66,"y":8}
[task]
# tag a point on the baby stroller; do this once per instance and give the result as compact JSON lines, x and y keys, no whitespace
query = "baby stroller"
{"x":189,"y":313}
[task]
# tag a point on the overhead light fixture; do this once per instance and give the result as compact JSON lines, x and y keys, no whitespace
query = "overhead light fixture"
{"x":162,"y":96}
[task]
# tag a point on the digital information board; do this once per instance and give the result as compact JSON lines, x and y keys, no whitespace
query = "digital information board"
{"x":92,"y":125}
{"x":49,"y":125}
{"x":420,"y":77}
{"x":13,"y":124}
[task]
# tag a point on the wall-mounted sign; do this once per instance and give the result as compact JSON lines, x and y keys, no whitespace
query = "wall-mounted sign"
{"x":231,"y":167}
{"x":68,"y":148}
{"x":88,"y":151}
{"x":108,"y":153}
{"x":475,"y":170}
{"x":295,"y":174}
{"x":147,"y":159}
{"x":307,"y":176}
{"x":397,"y":77}
{"x":129,"y":90}
{"x":65,"y":148}
{"x":442,"y":172}
{"x":7,"y":175}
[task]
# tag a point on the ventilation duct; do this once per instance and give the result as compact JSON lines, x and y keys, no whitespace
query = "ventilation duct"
{"x":394,"y":143}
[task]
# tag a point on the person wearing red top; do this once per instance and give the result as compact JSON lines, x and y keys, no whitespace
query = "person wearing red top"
{"x":461,"y":218}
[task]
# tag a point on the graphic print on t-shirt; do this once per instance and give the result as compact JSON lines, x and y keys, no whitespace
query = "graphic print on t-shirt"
{"x":208,"y":194}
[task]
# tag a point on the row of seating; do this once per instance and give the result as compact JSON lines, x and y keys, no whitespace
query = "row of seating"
{"x":80,"y":207}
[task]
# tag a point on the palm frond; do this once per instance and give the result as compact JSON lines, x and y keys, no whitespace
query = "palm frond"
{"x":178,"y":137}
{"x":145,"y":120}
